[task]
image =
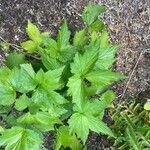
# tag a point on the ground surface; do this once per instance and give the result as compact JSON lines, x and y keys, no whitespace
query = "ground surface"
{"x":128,"y":22}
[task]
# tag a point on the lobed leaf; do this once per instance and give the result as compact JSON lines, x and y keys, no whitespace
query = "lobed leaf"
{"x":97,"y":106}
{"x":97,"y":26}
{"x":22,"y":102}
{"x":81,"y":123}
{"x":63,"y":37}
{"x":78,"y":123}
{"x":41,"y":120}
{"x":91,"y":13}
{"x":49,"y":62}
{"x":84,"y":63}
{"x":67,"y":140}
{"x":33,"y":33}
{"x":14,"y":60}
{"x":30,"y":46}
{"x":80,"y":39}
{"x":76,"y":90}
{"x":5,"y":73}
{"x":19,"y":138}
{"x":49,"y":80}
{"x":7,"y":95}
{"x":23,"y":79}
{"x":103,"y":77}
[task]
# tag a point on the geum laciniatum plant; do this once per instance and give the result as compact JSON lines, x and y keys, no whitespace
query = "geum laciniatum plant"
{"x":57,"y":92}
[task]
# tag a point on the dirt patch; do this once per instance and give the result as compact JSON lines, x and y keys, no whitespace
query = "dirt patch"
{"x":46,"y":14}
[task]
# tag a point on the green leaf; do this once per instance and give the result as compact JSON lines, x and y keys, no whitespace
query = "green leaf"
{"x":97,"y":26}
{"x":39,"y":99}
{"x":20,"y":139}
{"x":78,"y":123}
{"x":67,"y":140}
{"x":34,"y":33}
{"x":84,"y":63}
{"x":95,"y":38}
{"x":91,"y":13}
{"x":4,"y":109}
{"x":63,"y":37}
{"x":106,"y":51}
{"x":93,"y":89}
{"x":30,"y":46}
{"x":57,"y":111}
{"x":56,"y":98}
{"x":106,"y":57}
{"x":5,"y":73}
{"x":86,"y":117}
{"x":81,"y":123}
{"x":46,"y":122}
{"x":40,"y":76}
{"x":27,"y":118}
{"x":49,"y":62}
{"x":14,"y":60}
{"x":46,"y":119}
{"x":42,"y":98}
{"x":103,"y":77}
{"x":96,"y":107}
{"x":76,"y":90}
{"x":80,"y":39}
{"x":69,"y":108}
{"x":49,"y":80}
{"x":98,"y":126}
{"x":66,"y":54}
{"x":29,"y":70}
{"x":23,"y":79}
{"x":106,"y":99}
{"x":10,"y":120}
{"x":53,"y":78}
{"x":7,"y":95}
{"x":41,"y":120}
{"x":22,"y":102}
{"x":59,"y":51}
{"x":147,"y":105}
{"x":104,"y":39}
{"x":1,"y":129}
{"x":52,"y":48}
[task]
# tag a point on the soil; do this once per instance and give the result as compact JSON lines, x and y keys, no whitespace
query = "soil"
{"x":129,"y":25}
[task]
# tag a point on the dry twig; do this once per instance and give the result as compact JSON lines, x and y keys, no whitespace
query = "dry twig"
{"x":18,"y":48}
{"x":132,"y":72}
